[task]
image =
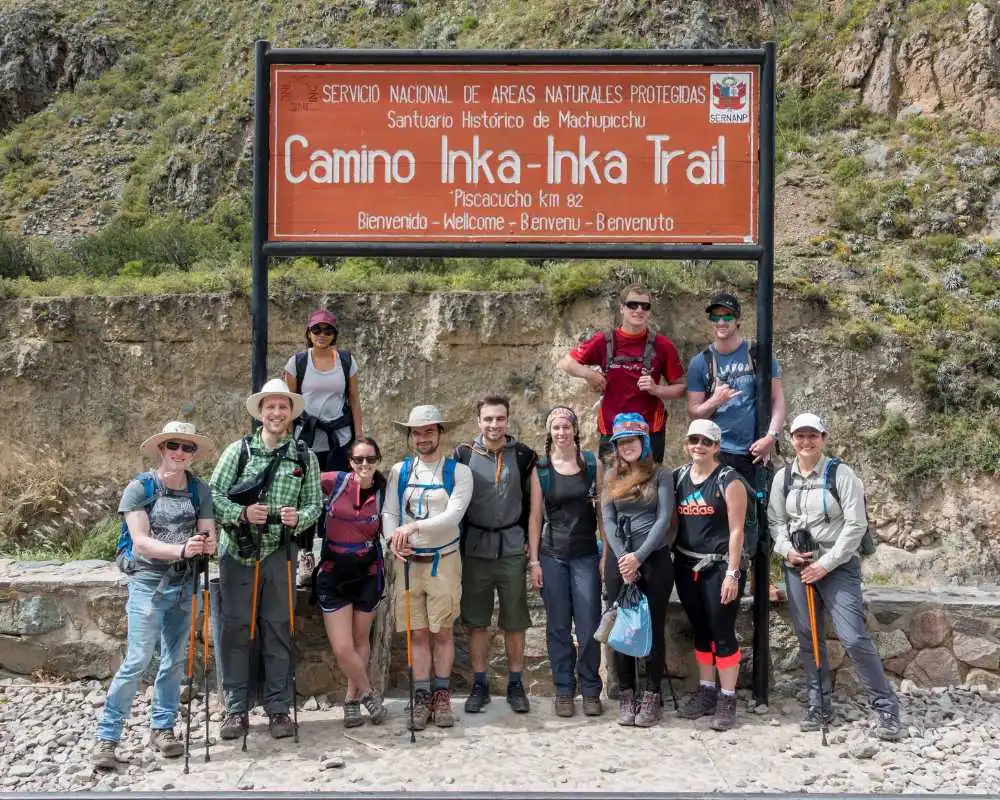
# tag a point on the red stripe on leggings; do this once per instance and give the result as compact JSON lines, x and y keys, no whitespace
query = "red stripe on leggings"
{"x":724,"y":662}
{"x":704,"y":658}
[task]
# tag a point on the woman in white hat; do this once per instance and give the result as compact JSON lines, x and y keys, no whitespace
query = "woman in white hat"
{"x":169,"y":519}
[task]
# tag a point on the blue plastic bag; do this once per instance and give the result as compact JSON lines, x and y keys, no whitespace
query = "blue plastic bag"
{"x":632,"y":634}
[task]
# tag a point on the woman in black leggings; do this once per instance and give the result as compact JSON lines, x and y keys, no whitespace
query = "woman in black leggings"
{"x":711,"y":507}
{"x":638,"y":507}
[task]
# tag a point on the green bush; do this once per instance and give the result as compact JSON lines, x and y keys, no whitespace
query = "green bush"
{"x":17,"y":260}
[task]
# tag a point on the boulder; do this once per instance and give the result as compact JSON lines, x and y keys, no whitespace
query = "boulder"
{"x":30,"y":616}
{"x":936,"y":666}
{"x":978,"y":678}
{"x":891,"y":644}
{"x":977,"y":651}
{"x":928,"y":628}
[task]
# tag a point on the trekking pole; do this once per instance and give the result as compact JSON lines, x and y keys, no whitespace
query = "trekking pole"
{"x":206,"y":611}
{"x":190,"y":668}
{"x":291,"y":628}
{"x":670,"y":685}
{"x":409,"y":644}
{"x":253,"y":627}
{"x":811,"y":605}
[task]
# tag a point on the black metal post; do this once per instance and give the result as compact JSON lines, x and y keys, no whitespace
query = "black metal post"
{"x":765,"y":331}
{"x":258,"y":260}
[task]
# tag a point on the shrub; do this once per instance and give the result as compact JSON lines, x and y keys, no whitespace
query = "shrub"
{"x":17,"y":260}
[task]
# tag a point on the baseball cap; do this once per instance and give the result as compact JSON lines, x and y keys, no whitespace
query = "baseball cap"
{"x":726,"y":300}
{"x":706,"y":428}
{"x":807,"y":421}
{"x":322,"y":317}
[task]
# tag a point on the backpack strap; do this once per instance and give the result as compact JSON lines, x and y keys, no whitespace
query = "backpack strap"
{"x":712,"y":364}
{"x":786,"y":481}
{"x":609,"y":341}
{"x":345,"y":364}
{"x":544,"y":469}
{"x":339,"y":485}
{"x":463,"y":453}
{"x":301,"y":364}
{"x":405,"y":469}
{"x":649,"y":353}
{"x":830,"y":485}
{"x":448,"y":475}
{"x":754,"y":361}
{"x":244,"y":457}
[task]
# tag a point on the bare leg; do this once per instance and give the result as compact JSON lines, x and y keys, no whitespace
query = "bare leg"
{"x":444,"y":652}
{"x":514,"y":644}
{"x":340,"y":632}
{"x":478,"y":643}
{"x":421,"y":644}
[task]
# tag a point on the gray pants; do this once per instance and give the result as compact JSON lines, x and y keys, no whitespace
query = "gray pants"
{"x":236,"y":596}
{"x":840,"y":593}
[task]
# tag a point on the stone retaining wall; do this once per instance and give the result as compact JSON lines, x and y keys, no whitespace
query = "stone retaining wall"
{"x":69,"y":621}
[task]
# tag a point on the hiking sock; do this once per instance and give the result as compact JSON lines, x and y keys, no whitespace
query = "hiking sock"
{"x":728,"y":693}
{"x":513,"y":678}
{"x":439,"y":683}
{"x":708,"y":684}
{"x":422,"y":685}
{"x":480,"y":678}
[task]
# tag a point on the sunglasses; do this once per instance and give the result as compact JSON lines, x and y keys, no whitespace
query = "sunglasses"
{"x":184,"y":447}
{"x":322,"y":330}
{"x":702,"y":440}
{"x":635,"y":305}
{"x":722,"y":317}
{"x":364,"y":459}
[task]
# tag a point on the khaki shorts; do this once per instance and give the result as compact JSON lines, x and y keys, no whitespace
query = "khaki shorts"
{"x":434,"y":601}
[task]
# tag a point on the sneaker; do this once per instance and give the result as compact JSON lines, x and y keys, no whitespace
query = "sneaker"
{"x":565,"y":707}
{"x":444,"y":717}
{"x":102,"y":755}
{"x":304,"y":573}
{"x":725,"y":713}
{"x":700,"y":704}
{"x":650,"y":710}
{"x":626,"y":707}
{"x":352,"y":714}
{"x":235,"y":725}
{"x":889,"y":728}
{"x":375,"y":707}
{"x":280,"y":726}
{"x":592,"y":706}
{"x":479,"y":697}
{"x":165,"y":741}
{"x":421,"y":710}
{"x":814,"y":719}
{"x":517,"y":699}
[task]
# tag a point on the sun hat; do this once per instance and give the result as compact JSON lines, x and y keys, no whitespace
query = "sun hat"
{"x":807,"y":421}
{"x":706,"y":428}
{"x":322,"y":317}
{"x":275,"y":387}
{"x":631,"y":426}
{"x":724,"y":300}
{"x":177,"y":431}
{"x":424,"y":415}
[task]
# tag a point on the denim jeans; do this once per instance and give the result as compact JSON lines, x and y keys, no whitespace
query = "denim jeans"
{"x":571,"y":591}
{"x":158,"y":612}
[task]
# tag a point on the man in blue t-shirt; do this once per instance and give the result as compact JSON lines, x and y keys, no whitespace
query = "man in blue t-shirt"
{"x":722,"y":387}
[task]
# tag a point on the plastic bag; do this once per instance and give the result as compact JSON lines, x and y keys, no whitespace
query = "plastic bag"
{"x":632,"y":634}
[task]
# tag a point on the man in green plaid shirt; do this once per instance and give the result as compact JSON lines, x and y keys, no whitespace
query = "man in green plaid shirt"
{"x":292,"y":505}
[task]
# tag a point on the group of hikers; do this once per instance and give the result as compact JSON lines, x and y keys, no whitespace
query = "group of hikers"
{"x":482,"y":523}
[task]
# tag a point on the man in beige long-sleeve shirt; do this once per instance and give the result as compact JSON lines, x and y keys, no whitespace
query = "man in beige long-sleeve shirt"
{"x":424,"y":504}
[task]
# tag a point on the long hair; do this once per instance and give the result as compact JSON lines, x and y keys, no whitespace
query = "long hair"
{"x":634,"y":481}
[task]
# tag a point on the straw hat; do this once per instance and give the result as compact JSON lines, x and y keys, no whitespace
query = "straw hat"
{"x":275,"y":387}
{"x":424,"y":415}
{"x":177,"y":432}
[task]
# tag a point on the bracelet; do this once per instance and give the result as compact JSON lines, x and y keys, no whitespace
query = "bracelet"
{"x":534,"y":564}
{"x":733,"y":573}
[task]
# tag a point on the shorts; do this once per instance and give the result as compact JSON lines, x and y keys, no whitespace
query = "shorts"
{"x":434,"y":601}
{"x":507,"y":577}
{"x":333,"y":594}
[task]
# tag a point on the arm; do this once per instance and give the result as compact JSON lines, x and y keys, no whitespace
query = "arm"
{"x":610,"y":514}
{"x":390,"y":506}
{"x":205,"y":524}
{"x":702,"y":401}
{"x":777,"y":406}
{"x":144,"y":544}
{"x":226,"y":511}
{"x":852,"y":494}
{"x":577,"y":363}
{"x":535,"y":518}
{"x":355,"y":399}
{"x":657,"y":536}
{"x":777,"y":515}
{"x":290,"y":380}
{"x":674,"y":385}
{"x":448,"y":521}
{"x":736,"y":511}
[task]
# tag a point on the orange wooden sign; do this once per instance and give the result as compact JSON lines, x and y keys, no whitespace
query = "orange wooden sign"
{"x":615,"y":154}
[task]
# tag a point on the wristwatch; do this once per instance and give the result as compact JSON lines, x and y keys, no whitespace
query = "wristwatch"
{"x":733,"y":573}
{"x":774,"y":435}
{"x":534,"y":564}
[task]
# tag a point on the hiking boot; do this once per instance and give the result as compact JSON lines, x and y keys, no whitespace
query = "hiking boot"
{"x":889,"y":728}
{"x":280,"y":726}
{"x":375,"y":707}
{"x":700,"y":704}
{"x":479,"y":697}
{"x":517,"y":699}
{"x":592,"y":706}
{"x":421,"y":710}
{"x":165,"y":741}
{"x":304,"y":573}
{"x":235,"y":725}
{"x":650,"y":710}
{"x":102,"y":755}
{"x":565,"y":707}
{"x":352,"y":714}
{"x":626,"y":707}
{"x":815,"y":719}
{"x":725,"y":713}
{"x":444,"y":717}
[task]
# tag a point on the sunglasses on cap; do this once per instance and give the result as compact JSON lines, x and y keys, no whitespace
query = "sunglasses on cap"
{"x":184,"y":447}
{"x":722,"y":317}
{"x":635,"y":305}
{"x":702,"y":440}
{"x":322,"y":330}
{"x":364,"y":459}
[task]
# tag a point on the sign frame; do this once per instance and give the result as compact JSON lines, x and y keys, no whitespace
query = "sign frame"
{"x":762,"y":252}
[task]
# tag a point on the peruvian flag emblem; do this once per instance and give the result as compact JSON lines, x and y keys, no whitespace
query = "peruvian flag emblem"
{"x":729,"y":93}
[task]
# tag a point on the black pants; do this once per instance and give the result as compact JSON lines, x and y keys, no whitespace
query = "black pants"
{"x":714,"y":624}
{"x":657,"y":443}
{"x":656,"y":580}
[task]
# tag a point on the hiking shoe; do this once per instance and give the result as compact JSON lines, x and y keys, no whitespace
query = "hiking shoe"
{"x":280,"y":726}
{"x":626,"y":707}
{"x":421,"y":710}
{"x":700,"y":704}
{"x":592,"y":706}
{"x":102,"y":755}
{"x":163,"y":739}
{"x":444,"y":717}
{"x":352,"y":714}
{"x":304,"y":573}
{"x":375,"y":707}
{"x":889,"y":728}
{"x":235,"y":725}
{"x":725,"y":713}
{"x":479,"y":697}
{"x":565,"y":707}
{"x":517,"y":699}
{"x":650,"y":710}
{"x":815,"y":719}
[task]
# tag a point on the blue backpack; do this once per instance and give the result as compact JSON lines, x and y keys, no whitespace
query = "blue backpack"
{"x":544,"y":467}
{"x":150,"y":486}
{"x":447,"y":480}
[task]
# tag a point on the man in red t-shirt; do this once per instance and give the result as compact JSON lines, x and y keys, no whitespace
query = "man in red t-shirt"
{"x":632,"y":380}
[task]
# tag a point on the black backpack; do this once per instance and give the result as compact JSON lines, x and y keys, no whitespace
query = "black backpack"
{"x":751,"y":528}
{"x":647,"y":354}
{"x":712,"y":361}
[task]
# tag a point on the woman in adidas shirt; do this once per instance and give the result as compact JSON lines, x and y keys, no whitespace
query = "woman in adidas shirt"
{"x":711,"y":509}
{"x":350,"y":576}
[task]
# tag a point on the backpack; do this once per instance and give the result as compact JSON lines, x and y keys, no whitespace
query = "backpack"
{"x":150,"y":487}
{"x":339,"y":485}
{"x":302,"y":363}
{"x":712,"y":361}
{"x":647,"y":354}
{"x":406,"y":469}
{"x":751,"y":528}
{"x":868,"y":544}
{"x":544,"y":467}
{"x":527,"y":459}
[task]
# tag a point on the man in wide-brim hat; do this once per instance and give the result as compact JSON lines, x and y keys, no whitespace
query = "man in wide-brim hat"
{"x":258,"y":532}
